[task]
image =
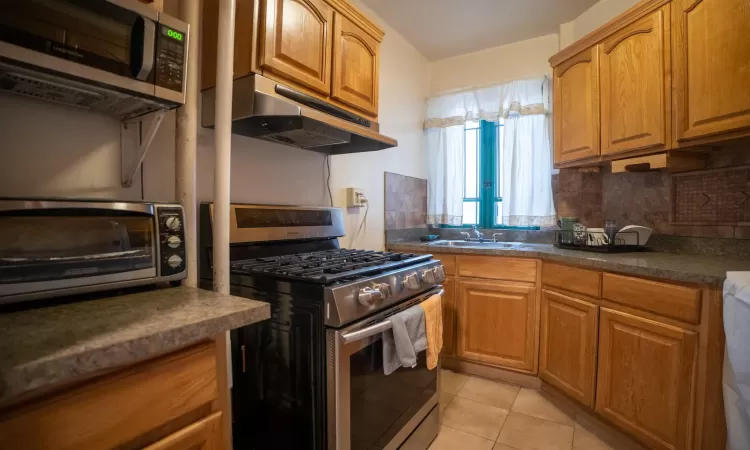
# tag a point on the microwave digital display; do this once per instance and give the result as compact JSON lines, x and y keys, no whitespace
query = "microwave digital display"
{"x":174,"y":34}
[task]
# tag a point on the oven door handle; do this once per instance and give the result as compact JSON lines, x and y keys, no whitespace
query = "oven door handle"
{"x":372,"y":330}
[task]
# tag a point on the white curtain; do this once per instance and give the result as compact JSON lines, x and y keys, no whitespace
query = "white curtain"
{"x":445,"y":182}
{"x":527,"y":170}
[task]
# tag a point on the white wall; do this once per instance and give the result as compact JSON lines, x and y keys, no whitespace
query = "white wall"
{"x":516,"y":61}
{"x":591,"y":19}
{"x":54,"y":150}
{"x":404,"y":83}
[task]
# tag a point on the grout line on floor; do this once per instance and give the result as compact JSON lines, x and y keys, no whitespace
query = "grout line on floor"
{"x":472,"y":434}
{"x":545,"y":420}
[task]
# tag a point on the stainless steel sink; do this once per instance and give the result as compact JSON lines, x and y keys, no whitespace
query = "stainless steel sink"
{"x":483,"y":244}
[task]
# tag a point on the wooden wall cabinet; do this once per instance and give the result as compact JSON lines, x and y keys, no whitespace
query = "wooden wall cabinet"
{"x":297,"y":41}
{"x":645,"y":378}
{"x":497,"y":324}
{"x":576,"y":107}
{"x":710,"y":70}
{"x":635,"y":85}
{"x":355,"y":66}
{"x":662,"y":75}
{"x":323,"y":48}
{"x":567,"y":352}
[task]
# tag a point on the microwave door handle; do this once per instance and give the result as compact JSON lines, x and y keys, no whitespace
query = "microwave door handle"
{"x":372,"y":330}
{"x":147,"y":49}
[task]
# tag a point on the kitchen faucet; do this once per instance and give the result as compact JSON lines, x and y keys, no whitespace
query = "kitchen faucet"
{"x":477,"y":233}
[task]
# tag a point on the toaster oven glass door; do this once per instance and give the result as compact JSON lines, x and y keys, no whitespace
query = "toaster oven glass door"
{"x":48,"y":247}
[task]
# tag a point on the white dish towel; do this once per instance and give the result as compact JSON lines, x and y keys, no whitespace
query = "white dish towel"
{"x":404,"y":340}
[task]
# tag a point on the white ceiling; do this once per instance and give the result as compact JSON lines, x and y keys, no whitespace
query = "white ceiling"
{"x":444,"y":28}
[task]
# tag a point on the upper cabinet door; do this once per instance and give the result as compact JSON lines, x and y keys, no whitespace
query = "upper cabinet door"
{"x":711,"y":68}
{"x":297,"y":42}
{"x":577,"y":107}
{"x":635,"y":91}
{"x":355,"y":66}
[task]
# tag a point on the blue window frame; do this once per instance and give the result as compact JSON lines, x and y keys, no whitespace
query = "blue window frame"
{"x":483,"y":159}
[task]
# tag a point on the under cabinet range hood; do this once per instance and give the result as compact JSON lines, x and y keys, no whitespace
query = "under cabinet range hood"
{"x":264,"y":109}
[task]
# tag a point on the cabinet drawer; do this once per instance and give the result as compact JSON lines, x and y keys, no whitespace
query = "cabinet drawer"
{"x":202,"y":435}
{"x":582,"y":281}
{"x":449,"y":263}
{"x":117,"y":409}
{"x":497,"y":268}
{"x":669,"y":300}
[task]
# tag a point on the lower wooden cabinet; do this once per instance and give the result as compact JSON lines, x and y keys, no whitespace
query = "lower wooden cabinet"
{"x":169,"y":403}
{"x":567,"y":355}
{"x":645,"y":378}
{"x":449,"y":317}
{"x":497,"y":324}
{"x":202,"y":435}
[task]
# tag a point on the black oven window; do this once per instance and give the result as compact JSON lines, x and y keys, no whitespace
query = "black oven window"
{"x":381,"y":405}
{"x":54,"y":247}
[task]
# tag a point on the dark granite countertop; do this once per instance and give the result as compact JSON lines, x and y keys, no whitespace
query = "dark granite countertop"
{"x":669,"y":266}
{"x":45,"y":346}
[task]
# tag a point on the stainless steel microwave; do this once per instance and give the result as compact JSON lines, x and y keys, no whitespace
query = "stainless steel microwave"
{"x":119,"y":57}
{"x":51,"y":248}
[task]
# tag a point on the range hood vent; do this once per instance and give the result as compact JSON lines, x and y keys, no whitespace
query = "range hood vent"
{"x":265,"y":110}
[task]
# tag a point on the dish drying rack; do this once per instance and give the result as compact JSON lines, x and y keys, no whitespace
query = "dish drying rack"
{"x":617,"y":246}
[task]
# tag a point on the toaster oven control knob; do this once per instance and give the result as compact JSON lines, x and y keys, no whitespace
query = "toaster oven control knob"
{"x":411,"y":281}
{"x":428,"y":275}
{"x":173,"y":223}
{"x":367,"y":296}
{"x":174,"y":241}
{"x":174,"y":261}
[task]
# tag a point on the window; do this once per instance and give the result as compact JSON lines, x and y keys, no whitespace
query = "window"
{"x":483,"y":164}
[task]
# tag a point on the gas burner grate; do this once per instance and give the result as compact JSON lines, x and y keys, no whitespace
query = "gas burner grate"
{"x":327,"y":267}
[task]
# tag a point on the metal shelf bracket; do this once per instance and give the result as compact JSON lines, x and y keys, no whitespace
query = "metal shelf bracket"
{"x":134,"y":143}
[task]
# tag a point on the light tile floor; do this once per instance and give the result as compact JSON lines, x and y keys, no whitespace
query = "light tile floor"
{"x":480,"y":414}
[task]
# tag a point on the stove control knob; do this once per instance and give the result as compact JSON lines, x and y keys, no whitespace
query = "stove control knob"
{"x":411,"y":281}
{"x":367,"y":296}
{"x":428,"y":275}
{"x":385,"y":289}
{"x":439,"y":274}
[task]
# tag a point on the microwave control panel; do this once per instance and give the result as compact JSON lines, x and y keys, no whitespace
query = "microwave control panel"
{"x":171,"y":241}
{"x":170,"y":58}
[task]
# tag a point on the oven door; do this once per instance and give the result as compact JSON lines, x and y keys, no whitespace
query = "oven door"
{"x":367,"y":409}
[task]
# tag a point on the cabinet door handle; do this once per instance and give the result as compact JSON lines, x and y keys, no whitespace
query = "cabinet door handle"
{"x":242,"y":350}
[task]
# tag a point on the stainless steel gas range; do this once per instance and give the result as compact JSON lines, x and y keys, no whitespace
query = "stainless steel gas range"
{"x":312,"y":377}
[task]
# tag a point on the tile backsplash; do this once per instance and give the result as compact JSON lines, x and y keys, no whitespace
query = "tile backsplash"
{"x":405,"y":202}
{"x":645,"y":198}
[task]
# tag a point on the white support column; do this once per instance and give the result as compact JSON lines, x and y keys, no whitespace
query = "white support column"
{"x":187,"y":135}
{"x":223,"y":143}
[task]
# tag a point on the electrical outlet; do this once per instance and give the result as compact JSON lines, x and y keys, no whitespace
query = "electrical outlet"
{"x":355,"y":198}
